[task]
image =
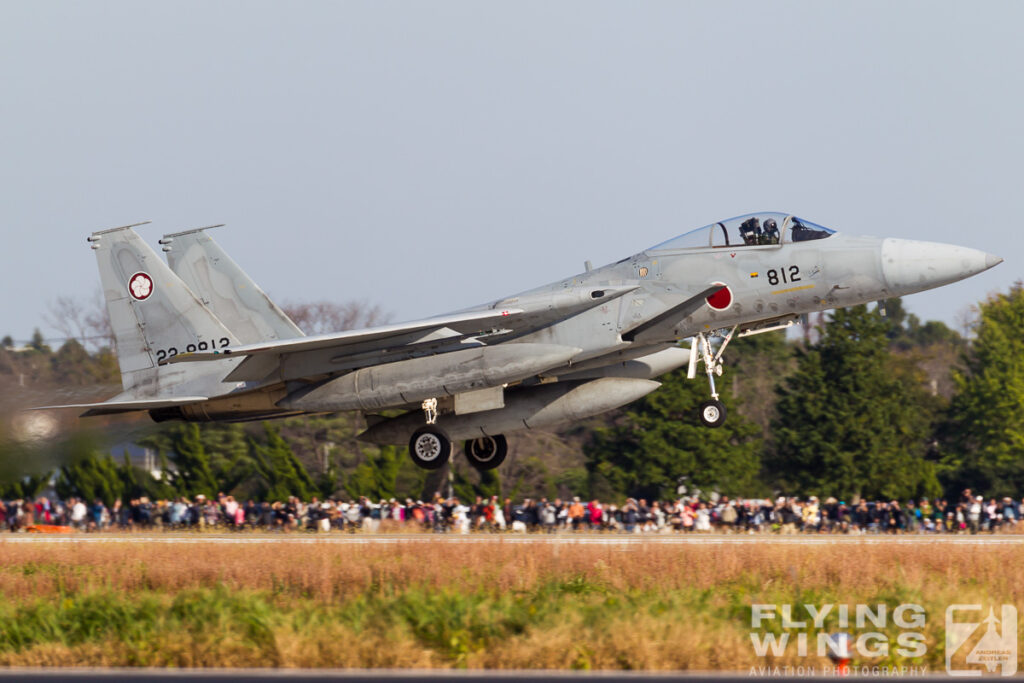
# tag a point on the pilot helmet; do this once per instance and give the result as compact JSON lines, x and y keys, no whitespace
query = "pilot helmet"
{"x":750,"y":229}
{"x":770,"y":225}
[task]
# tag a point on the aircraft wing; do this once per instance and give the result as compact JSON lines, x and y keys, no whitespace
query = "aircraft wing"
{"x":114,"y":407}
{"x":465,"y":323}
{"x":310,"y":356}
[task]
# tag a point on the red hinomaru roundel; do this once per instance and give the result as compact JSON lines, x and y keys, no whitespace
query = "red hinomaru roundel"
{"x":140,"y":286}
{"x":722,"y":299}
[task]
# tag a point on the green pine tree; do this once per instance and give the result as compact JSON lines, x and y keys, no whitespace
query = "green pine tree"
{"x":280,"y":473}
{"x":652,"y":443}
{"x":195,"y":472}
{"x":853,"y":419}
{"x":38,"y":343}
{"x":28,"y":487}
{"x":468,"y":482}
{"x":94,"y":476}
{"x":906,"y":331}
{"x":985,"y":430}
{"x":375,"y":477}
{"x":206,"y":459}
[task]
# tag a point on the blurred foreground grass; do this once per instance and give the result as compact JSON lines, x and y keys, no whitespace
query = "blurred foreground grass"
{"x":426,"y":605}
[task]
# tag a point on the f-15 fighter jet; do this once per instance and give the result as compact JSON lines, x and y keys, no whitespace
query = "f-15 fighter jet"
{"x":198,"y":340}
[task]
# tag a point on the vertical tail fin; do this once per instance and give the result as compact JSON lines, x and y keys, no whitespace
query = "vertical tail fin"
{"x":153,"y":313}
{"x":225,"y":288}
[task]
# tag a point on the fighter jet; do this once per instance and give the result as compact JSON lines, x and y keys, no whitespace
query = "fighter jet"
{"x":198,"y":340}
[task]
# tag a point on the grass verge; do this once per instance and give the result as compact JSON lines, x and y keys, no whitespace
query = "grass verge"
{"x":422,"y":605}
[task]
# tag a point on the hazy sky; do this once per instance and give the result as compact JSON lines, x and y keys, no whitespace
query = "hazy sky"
{"x":427,"y":156}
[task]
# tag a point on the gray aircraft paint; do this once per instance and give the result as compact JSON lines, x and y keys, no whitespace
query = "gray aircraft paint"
{"x":602,"y":320}
{"x":647,"y":366}
{"x":836,"y":271}
{"x":446,"y":374}
{"x":225,"y":289}
{"x":539,"y":407}
{"x":154,"y":314}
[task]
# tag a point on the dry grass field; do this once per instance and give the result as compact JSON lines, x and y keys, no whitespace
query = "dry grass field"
{"x":495,"y":605}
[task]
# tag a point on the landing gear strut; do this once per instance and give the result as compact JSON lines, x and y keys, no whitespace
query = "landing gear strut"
{"x":486,"y":452}
{"x":430,"y":448}
{"x":712,"y":413}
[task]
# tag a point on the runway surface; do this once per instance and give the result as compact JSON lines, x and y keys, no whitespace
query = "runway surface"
{"x":595,"y":539}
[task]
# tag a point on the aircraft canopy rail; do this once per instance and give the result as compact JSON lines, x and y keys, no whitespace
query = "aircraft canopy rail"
{"x":763,"y":229}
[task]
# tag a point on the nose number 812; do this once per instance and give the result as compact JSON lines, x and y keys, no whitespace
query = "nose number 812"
{"x":781,"y":276}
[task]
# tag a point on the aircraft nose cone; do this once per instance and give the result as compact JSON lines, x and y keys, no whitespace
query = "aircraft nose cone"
{"x":911,"y":266}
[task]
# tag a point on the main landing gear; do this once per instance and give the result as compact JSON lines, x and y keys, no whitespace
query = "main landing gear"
{"x":486,"y":452}
{"x":430,"y":448}
{"x":712,"y":413}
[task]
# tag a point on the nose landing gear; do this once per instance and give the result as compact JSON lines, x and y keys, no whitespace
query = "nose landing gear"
{"x":712,"y":413}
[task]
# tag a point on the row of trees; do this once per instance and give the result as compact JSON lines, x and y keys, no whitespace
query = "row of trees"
{"x":876,"y":403}
{"x":193,"y":459}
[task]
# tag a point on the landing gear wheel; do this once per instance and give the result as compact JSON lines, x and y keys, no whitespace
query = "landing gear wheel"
{"x":712,"y":413}
{"x":430,"y":447}
{"x":486,"y":452}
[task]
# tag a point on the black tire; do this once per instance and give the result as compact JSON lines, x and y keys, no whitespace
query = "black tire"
{"x":486,"y":452}
{"x":712,"y":413}
{"x":430,"y":448}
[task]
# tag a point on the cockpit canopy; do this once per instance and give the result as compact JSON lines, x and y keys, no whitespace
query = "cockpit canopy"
{"x":763,"y":229}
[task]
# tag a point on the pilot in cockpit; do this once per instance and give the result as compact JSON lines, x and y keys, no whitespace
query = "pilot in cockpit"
{"x":770,"y":234}
{"x":750,"y":231}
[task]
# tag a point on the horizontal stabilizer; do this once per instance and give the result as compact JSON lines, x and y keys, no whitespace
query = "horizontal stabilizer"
{"x":115,"y":407}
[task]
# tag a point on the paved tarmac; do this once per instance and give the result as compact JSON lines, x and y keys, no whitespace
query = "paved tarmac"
{"x":598,"y":539}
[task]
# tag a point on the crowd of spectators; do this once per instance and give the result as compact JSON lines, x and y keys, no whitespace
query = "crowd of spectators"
{"x":968,"y":514}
